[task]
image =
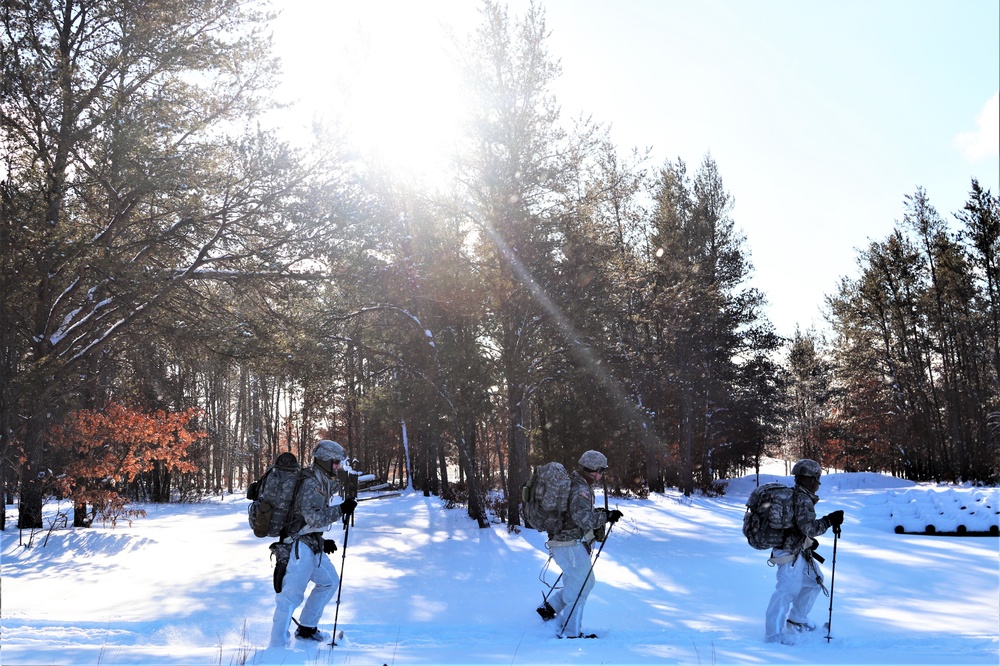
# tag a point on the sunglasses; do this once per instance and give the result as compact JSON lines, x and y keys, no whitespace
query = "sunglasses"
{"x":328,"y":465}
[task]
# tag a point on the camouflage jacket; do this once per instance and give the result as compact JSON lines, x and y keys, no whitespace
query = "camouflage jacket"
{"x":313,"y":514}
{"x":582,"y":517}
{"x":805,"y":524}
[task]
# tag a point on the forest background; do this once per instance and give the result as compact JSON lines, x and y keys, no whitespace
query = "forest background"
{"x":187,"y":293}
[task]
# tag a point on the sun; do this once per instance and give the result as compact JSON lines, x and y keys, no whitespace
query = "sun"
{"x":385,"y":72}
{"x":406,"y":110}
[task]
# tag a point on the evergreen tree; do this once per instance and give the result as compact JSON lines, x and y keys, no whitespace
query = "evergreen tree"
{"x":705,"y":325}
{"x":809,"y":391}
{"x":519,"y":172}
{"x":129,"y":175}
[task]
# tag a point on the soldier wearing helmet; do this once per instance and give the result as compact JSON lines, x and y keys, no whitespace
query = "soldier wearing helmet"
{"x":317,"y":505}
{"x":799,"y":578}
{"x":571,"y":546}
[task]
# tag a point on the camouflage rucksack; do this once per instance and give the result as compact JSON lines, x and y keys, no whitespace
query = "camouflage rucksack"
{"x":545,"y":497}
{"x":272,"y":496}
{"x":769,"y":515}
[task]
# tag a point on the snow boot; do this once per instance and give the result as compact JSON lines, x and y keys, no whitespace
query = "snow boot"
{"x":801,"y":626}
{"x":546,"y":611}
{"x":784,"y":638}
{"x":311,"y":634}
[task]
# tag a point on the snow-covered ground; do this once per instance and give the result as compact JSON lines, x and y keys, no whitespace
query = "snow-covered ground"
{"x":676,"y":583}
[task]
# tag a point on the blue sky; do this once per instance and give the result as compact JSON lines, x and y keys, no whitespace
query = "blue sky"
{"x":820,"y":116}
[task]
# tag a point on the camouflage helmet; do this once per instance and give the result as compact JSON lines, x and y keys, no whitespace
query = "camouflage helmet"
{"x":806,"y":467}
{"x":327,"y":449}
{"x":594,"y":461}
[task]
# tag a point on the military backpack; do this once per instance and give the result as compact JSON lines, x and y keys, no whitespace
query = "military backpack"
{"x":272,"y":497}
{"x":769,"y":515}
{"x":545,"y":497}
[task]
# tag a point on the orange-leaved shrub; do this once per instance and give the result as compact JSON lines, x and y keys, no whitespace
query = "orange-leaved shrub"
{"x":106,"y":450}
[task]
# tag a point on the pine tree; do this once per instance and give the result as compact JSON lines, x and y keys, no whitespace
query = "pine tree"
{"x":130,"y":175}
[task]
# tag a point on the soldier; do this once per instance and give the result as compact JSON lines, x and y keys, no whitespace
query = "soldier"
{"x":799,"y":576}
{"x":317,"y":506}
{"x":571,"y":546}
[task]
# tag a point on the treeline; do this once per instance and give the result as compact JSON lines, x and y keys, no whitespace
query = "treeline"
{"x":163,"y":254}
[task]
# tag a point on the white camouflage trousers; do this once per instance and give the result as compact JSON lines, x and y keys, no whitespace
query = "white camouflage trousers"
{"x":303,"y":566}
{"x":577,"y":579}
{"x":796,"y":589}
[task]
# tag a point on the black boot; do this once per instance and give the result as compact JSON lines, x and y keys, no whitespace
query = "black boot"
{"x":310,"y":633}
{"x":546,"y":611}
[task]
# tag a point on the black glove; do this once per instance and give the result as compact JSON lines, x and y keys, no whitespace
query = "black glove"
{"x":614,"y":515}
{"x":348,"y":506}
{"x":329,"y":546}
{"x":836,"y":519}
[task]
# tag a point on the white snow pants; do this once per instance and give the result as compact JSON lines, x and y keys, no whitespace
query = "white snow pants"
{"x":577,"y":579}
{"x":797,"y":588}
{"x":303,"y":566}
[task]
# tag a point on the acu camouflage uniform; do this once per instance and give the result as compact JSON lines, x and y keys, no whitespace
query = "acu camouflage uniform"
{"x":584,"y":520}
{"x":312,"y":514}
{"x":805,"y":525}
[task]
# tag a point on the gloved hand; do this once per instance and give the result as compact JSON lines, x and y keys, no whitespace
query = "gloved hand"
{"x":614,"y":516}
{"x":329,"y":546}
{"x":347,"y":507}
{"x":836,"y":519}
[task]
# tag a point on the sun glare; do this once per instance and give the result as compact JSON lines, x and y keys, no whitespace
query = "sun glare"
{"x":382,"y":70}
{"x":405,"y":110}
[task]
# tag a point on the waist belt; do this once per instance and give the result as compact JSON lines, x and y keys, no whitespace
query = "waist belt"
{"x":783,"y":559}
{"x":560,"y":544}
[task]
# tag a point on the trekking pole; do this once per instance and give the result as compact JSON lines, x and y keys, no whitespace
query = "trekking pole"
{"x":350,"y":492}
{"x":545,"y":610}
{"x":552,"y":588}
{"x":833,"y":574}
{"x":591,"y":570}
{"x":340,"y":583}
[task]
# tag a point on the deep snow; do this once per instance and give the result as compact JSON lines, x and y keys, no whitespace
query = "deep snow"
{"x":676,"y":583}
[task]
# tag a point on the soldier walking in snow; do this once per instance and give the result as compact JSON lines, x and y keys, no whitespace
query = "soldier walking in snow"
{"x":799,"y":579}
{"x":571,"y":546}
{"x":317,"y":506}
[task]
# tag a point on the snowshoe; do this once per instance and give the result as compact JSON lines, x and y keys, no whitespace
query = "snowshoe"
{"x":311,"y":634}
{"x":785,"y":638}
{"x":801,"y":626}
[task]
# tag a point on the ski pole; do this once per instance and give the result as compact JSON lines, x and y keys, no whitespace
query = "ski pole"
{"x":833,"y":575}
{"x":340,"y":583}
{"x":348,"y":520}
{"x":545,"y":610}
{"x":552,"y":588}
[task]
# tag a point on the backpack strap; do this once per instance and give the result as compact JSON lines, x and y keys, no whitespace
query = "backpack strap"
{"x":290,"y":514}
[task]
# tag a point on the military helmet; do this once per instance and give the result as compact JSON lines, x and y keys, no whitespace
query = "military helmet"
{"x":806,"y":467}
{"x":594,"y":461}
{"x":327,"y":449}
